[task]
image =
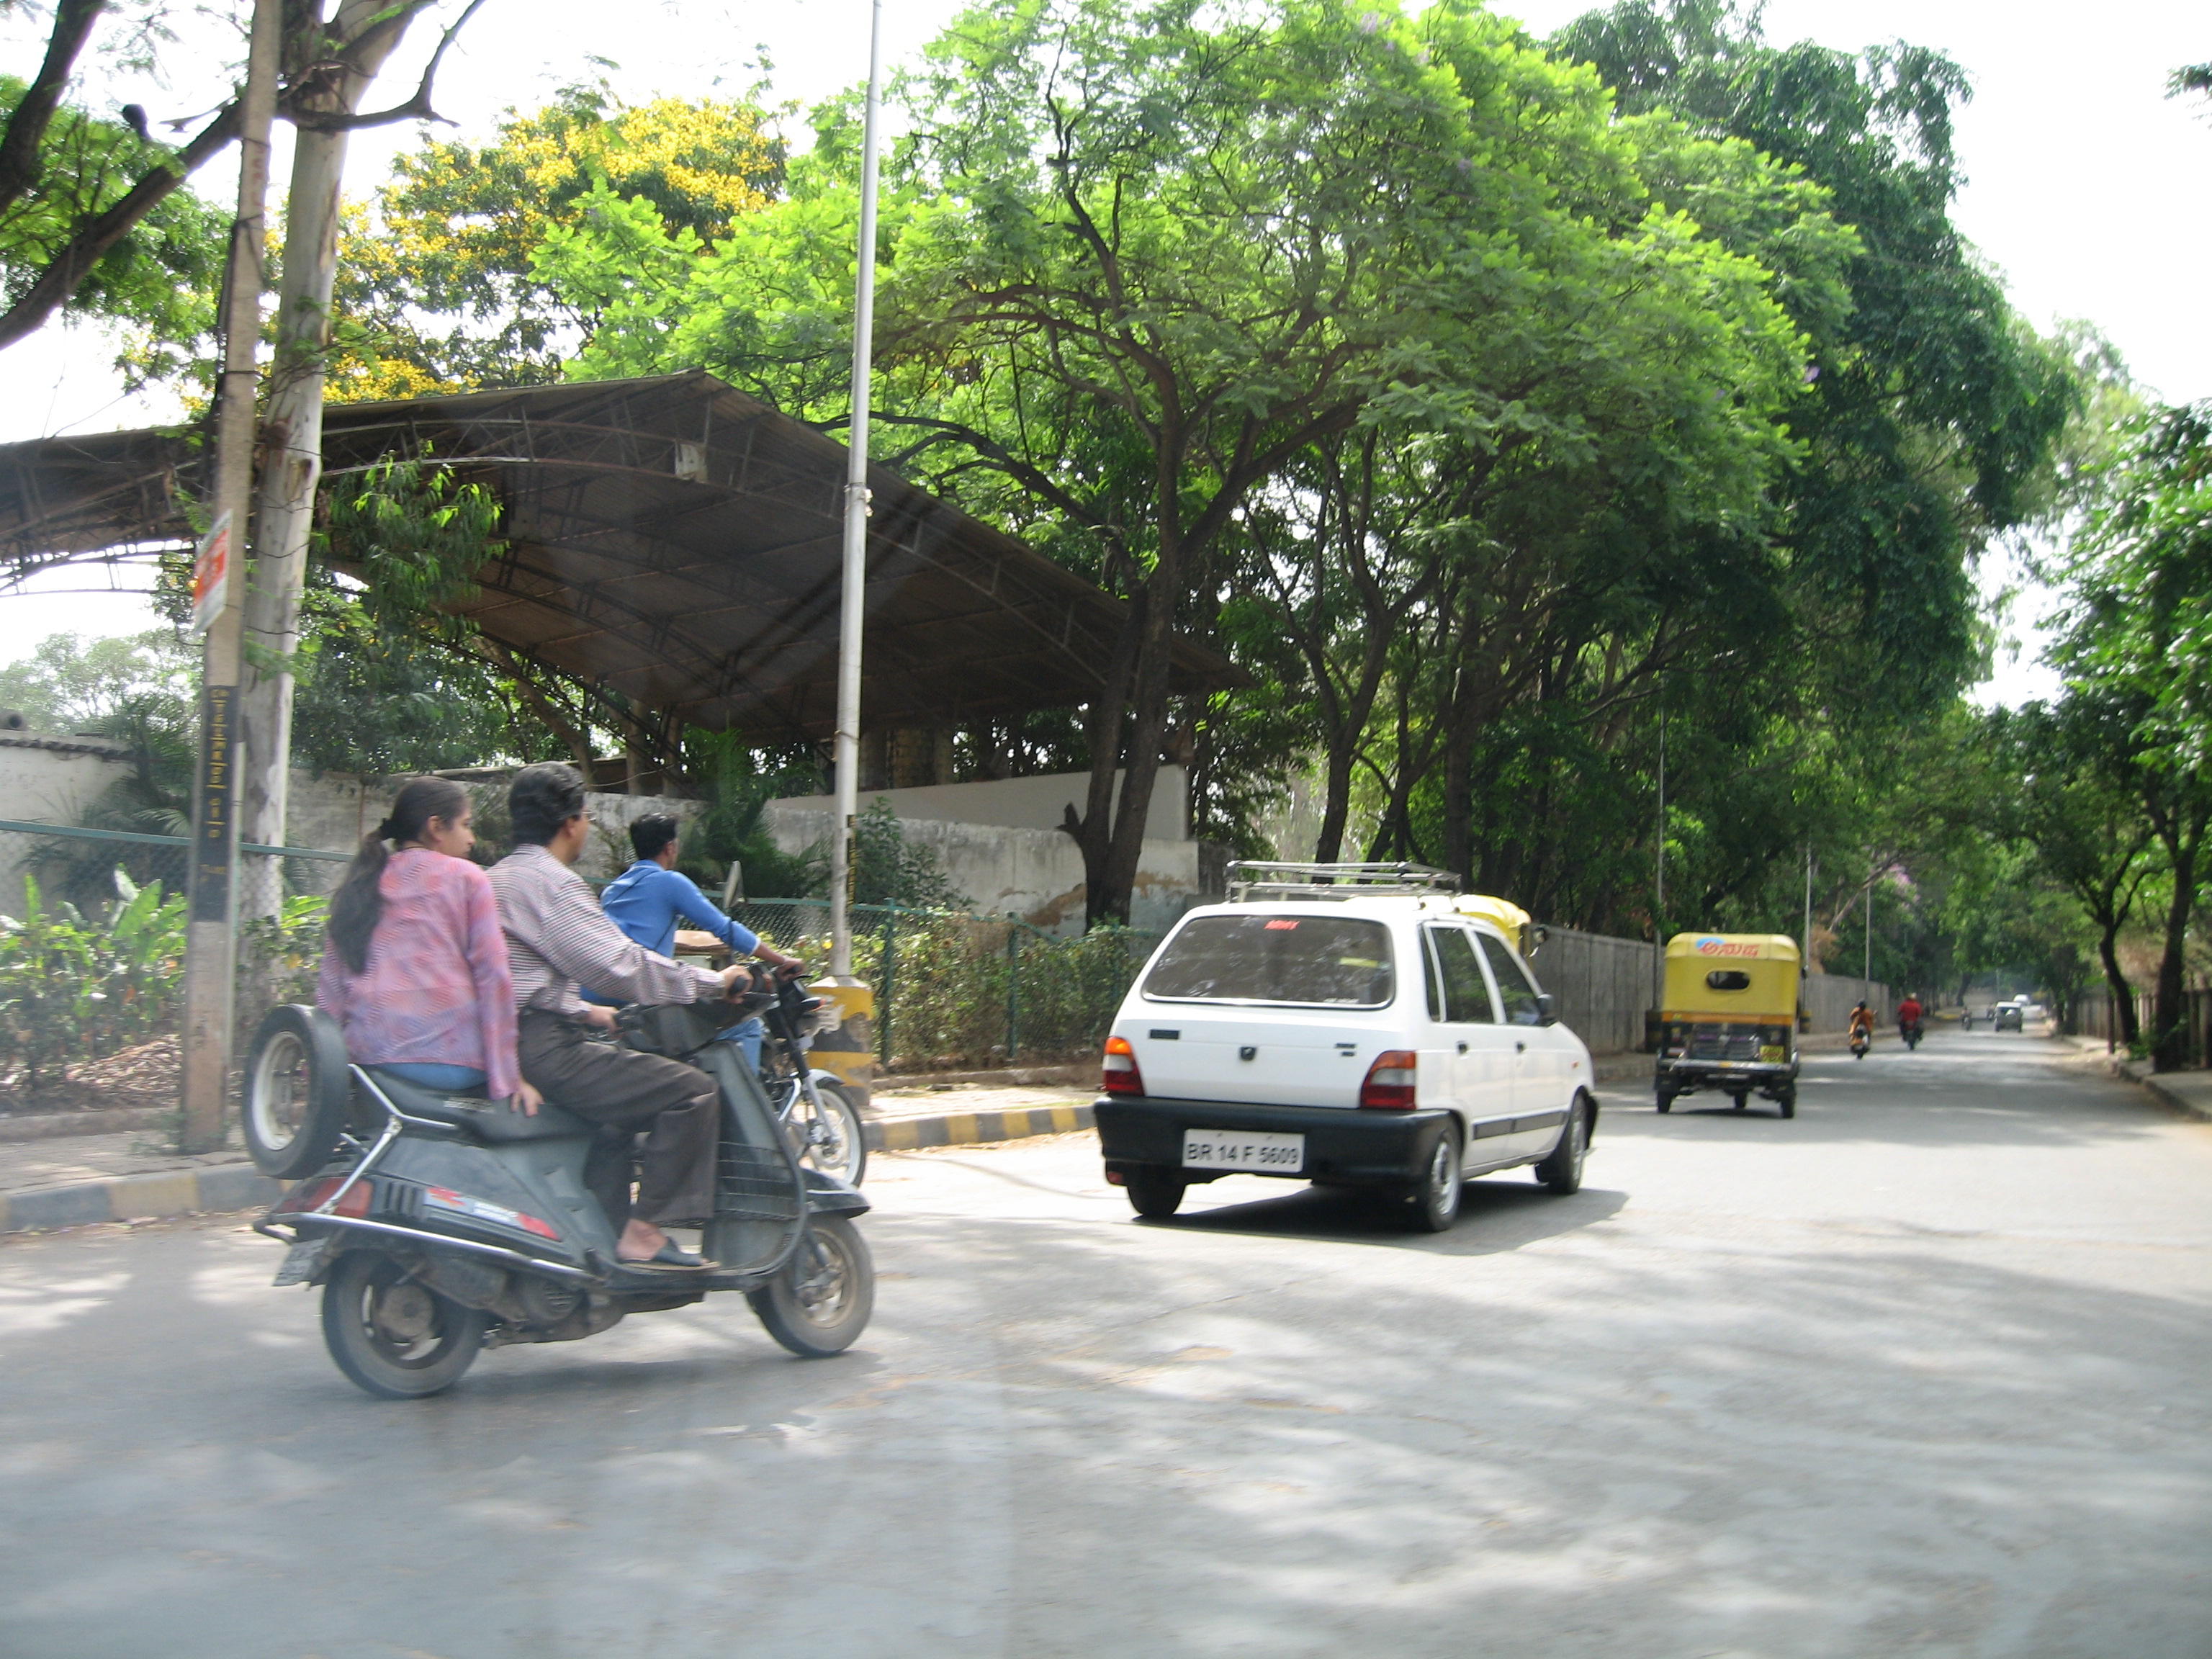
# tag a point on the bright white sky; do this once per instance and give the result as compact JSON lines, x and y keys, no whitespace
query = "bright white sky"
{"x":2084,"y":181}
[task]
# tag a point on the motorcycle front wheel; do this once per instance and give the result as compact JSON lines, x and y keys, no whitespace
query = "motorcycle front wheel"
{"x":820,"y":1302}
{"x":392,"y":1337}
{"x":831,"y":1139}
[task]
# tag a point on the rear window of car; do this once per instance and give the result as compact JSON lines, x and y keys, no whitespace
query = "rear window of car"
{"x":1338,"y":962}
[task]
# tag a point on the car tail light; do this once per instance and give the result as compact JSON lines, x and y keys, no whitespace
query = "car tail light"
{"x":1389,"y":1084}
{"x":1120,"y":1075}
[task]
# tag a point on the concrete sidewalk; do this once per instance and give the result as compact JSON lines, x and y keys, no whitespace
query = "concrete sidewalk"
{"x":2189,"y":1092}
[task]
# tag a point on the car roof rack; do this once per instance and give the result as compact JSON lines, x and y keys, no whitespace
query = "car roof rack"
{"x":1251,"y":879}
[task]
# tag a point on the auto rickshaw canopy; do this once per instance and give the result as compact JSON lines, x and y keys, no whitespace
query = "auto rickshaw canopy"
{"x":1732,"y":976}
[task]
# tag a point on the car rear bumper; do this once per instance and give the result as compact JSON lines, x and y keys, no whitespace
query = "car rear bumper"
{"x":1343,"y":1143}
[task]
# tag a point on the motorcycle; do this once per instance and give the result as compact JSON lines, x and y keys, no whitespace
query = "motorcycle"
{"x":1910,"y":1030}
{"x":812,"y":1105}
{"x":1862,"y":1039}
{"x":438,"y":1225}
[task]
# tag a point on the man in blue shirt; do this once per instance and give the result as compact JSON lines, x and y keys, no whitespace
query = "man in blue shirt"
{"x":650,"y":899}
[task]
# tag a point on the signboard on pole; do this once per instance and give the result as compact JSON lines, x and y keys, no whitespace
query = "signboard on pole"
{"x":210,"y":575}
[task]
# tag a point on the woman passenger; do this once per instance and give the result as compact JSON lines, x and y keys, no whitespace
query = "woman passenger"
{"x":415,"y":969}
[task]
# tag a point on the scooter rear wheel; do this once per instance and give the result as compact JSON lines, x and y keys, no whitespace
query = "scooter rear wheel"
{"x":392,"y":1337}
{"x":820,"y":1302}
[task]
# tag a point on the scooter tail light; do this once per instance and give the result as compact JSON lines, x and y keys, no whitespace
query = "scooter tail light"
{"x":1118,"y":1073}
{"x":313,"y":1194}
{"x":1389,"y":1083}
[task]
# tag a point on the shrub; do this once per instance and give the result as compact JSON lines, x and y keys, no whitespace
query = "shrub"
{"x":73,"y":989}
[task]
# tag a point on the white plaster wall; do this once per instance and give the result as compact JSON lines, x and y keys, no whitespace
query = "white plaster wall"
{"x":1038,"y":803}
{"x":1035,"y":874}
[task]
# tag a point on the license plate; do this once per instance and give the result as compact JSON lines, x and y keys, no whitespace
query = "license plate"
{"x":300,"y":1261}
{"x":1232,"y":1149}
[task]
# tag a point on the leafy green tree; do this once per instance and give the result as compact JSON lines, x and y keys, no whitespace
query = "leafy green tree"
{"x":1139,"y":262}
{"x":1934,"y":408}
{"x":2137,"y":654}
{"x":69,"y":681}
{"x":94,"y":219}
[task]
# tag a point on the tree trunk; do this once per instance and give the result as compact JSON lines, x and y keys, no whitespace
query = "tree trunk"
{"x":2169,"y":1023}
{"x":1148,"y":729}
{"x":292,"y":428}
{"x":1102,"y":728}
{"x":2123,"y":995}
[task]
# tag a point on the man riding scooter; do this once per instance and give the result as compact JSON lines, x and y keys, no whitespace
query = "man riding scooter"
{"x":1861,"y":1031}
{"x":1909,"y":1013}
{"x":557,"y":938}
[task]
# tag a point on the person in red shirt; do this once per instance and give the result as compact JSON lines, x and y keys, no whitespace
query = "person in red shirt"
{"x":1908,"y":1013}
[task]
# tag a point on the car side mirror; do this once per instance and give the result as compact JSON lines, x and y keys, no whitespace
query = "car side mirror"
{"x":1543,"y":1014}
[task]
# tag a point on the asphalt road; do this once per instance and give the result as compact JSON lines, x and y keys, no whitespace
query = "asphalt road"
{"x":1923,"y":1372}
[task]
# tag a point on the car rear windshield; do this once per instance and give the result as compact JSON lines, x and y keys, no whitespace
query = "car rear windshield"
{"x":1304,"y":961}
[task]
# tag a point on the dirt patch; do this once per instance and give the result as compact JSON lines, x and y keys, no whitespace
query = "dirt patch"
{"x":144,"y":1074}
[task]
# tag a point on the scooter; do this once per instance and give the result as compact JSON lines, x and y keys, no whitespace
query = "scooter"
{"x":1861,"y":1040}
{"x":438,"y":1225}
{"x":1910,"y":1030}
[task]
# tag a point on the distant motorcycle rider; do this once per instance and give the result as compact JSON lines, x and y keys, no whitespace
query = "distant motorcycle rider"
{"x":1908,"y":1014}
{"x":556,"y":936}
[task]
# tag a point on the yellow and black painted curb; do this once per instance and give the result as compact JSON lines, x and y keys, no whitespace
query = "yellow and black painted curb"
{"x":908,"y":1134}
{"x":216,"y":1187}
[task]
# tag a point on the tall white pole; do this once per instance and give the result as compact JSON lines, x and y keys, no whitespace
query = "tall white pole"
{"x":846,"y":749}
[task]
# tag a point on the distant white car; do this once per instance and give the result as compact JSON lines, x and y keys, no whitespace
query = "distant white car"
{"x":1391,"y":1037}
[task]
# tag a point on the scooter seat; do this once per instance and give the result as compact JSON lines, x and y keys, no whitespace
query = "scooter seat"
{"x":487,"y":1120}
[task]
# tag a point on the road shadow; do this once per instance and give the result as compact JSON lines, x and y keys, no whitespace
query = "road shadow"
{"x":1498,"y":1212}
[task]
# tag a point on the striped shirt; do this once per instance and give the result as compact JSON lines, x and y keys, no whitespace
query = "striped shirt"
{"x":558,"y":938}
{"x":435,"y":988}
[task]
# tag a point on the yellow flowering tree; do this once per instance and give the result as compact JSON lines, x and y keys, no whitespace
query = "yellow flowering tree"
{"x":437,"y":291}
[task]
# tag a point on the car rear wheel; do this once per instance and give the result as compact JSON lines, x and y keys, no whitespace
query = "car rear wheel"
{"x":1563,"y":1170}
{"x":1155,"y":1193}
{"x":1435,"y":1200}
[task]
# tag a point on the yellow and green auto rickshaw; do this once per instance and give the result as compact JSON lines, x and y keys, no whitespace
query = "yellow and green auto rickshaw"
{"x":1729,"y":1018}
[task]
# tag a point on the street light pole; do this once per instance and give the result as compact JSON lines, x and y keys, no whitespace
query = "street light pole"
{"x":845,"y":750}
{"x":219,"y":595}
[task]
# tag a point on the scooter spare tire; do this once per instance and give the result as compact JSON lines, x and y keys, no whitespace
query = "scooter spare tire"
{"x":294,"y":1108}
{"x":820,"y":1302}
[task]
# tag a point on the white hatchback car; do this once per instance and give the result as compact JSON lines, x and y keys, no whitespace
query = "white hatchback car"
{"x":1392,"y":1037}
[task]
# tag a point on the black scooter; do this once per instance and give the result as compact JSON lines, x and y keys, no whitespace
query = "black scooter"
{"x":440,"y":1224}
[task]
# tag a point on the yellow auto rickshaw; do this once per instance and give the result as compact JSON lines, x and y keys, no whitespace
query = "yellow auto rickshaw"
{"x":1729,"y":1018}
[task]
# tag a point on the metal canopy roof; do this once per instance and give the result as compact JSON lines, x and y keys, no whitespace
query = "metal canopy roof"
{"x":671,"y":539}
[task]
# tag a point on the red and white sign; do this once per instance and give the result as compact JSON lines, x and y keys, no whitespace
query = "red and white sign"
{"x":211,"y":575}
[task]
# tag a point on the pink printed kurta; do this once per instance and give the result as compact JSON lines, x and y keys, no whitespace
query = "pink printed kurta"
{"x":437,"y":989}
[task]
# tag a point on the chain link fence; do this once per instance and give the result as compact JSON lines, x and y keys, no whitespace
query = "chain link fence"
{"x":955,"y":991}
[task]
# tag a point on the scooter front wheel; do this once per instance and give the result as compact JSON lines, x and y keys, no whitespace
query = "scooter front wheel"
{"x":820,"y":1302}
{"x":392,"y":1337}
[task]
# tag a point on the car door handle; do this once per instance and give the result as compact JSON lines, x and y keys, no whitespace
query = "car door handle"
{"x":1462,"y":1048}
{"x":1520,"y":1047}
